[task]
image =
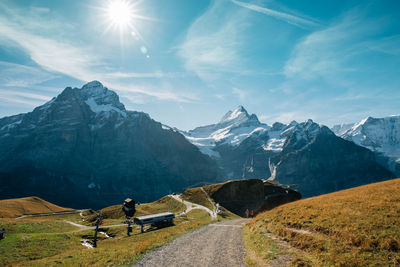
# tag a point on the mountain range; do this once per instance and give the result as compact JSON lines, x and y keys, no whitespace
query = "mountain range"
{"x":84,"y":149}
{"x":380,"y":135}
{"x":307,"y":156}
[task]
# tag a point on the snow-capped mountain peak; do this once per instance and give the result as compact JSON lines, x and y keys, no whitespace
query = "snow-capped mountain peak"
{"x":239,"y":113}
{"x":377,"y":134}
{"x":99,"y":98}
{"x":234,"y":127}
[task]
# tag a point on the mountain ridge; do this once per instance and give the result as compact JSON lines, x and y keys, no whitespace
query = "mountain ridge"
{"x":380,"y":135}
{"x":86,"y":143}
{"x":283,"y":151}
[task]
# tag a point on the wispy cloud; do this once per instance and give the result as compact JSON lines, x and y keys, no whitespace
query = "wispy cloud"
{"x":213,"y":41}
{"x":20,"y":97}
{"x":388,"y":45}
{"x":158,"y":74}
{"x":143,"y":93}
{"x":333,"y":50}
{"x":18,"y":75}
{"x":302,"y":22}
{"x":241,"y":94}
{"x":51,"y":54}
{"x":59,"y":55}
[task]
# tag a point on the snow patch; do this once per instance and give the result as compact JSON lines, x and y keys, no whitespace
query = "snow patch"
{"x":96,"y":108}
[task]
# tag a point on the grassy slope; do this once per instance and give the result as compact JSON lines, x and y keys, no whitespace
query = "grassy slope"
{"x":196,"y":195}
{"x":10,"y":208}
{"x":49,"y":240}
{"x":354,"y":227}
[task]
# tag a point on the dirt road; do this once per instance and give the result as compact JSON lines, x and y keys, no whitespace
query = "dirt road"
{"x":218,"y":244}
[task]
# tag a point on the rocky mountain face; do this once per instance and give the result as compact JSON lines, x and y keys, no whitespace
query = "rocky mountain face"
{"x":307,"y":156}
{"x":380,"y":135}
{"x":84,"y":149}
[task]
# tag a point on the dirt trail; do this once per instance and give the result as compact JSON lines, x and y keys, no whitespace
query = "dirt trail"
{"x":190,"y":206}
{"x":217,"y":244}
{"x":50,"y":213}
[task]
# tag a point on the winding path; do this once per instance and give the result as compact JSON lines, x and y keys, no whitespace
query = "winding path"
{"x":191,"y":206}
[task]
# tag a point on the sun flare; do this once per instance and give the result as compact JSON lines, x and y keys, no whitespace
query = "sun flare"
{"x":125,"y":17}
{"x":120,"y":13}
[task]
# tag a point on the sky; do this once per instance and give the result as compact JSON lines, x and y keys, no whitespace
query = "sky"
{"x":186,"y":63}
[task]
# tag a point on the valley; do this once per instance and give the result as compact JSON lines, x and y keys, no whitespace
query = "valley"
{"x":86,"y":142}
{"x":360,"y":224}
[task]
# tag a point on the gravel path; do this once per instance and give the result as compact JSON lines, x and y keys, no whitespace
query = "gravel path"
{"x":191,"y":206}
{"x":218,"y":244}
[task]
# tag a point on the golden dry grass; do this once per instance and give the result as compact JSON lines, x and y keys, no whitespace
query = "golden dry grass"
{"x":197,"y":195}
{"x":10,"y":208}
{"x":49,"y":240}
{"x":354,"y":227}
{"x":211,"y":189}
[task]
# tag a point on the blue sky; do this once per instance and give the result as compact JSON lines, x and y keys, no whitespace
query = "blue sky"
{"x":186,"y":63}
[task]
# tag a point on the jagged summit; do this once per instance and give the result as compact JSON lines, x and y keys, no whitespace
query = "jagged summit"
{"x":92,"y":84}
{"x":377,"y":134}
{"x":234,"y":127}
{"x":100,"y":98}
{"x":237,"y":112}
{"x":238,"y":115}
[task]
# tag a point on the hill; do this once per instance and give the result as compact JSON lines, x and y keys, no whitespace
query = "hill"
{"x":240,"y":195}
{"x":62,"y":239}
{"x":10,"y":208}
{"x":354,"y":227}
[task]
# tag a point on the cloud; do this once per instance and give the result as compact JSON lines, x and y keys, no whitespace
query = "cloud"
{"x":334,"y":50}
{"x":140,"y":94}
{"x":51,"y":54}
{"x":18,"y":75}
{"x":26,"y":98}
{"x":241,"y":94}
{"x":213,"y":41}
{"x":157,"y":74}
{"x":39,"y":39}
{"x":388,"y":45}
{"x":298,"y":21}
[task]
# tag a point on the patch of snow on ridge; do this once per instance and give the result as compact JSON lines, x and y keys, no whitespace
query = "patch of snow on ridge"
{"x":165,"y":127}
{"x":205,"y":145}
{"x":239,"y":112}
{"x":275,"y":141}
{"x":96,"y":108}
{"x":341,"y":128}
{"x":11,"y":125}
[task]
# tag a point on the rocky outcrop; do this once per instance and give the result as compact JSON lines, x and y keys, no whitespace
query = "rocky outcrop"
{"x":252,"y":194}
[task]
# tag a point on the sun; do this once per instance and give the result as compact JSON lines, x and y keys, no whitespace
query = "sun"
{"x":124,"y":17}
{"x":120,"y":13}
